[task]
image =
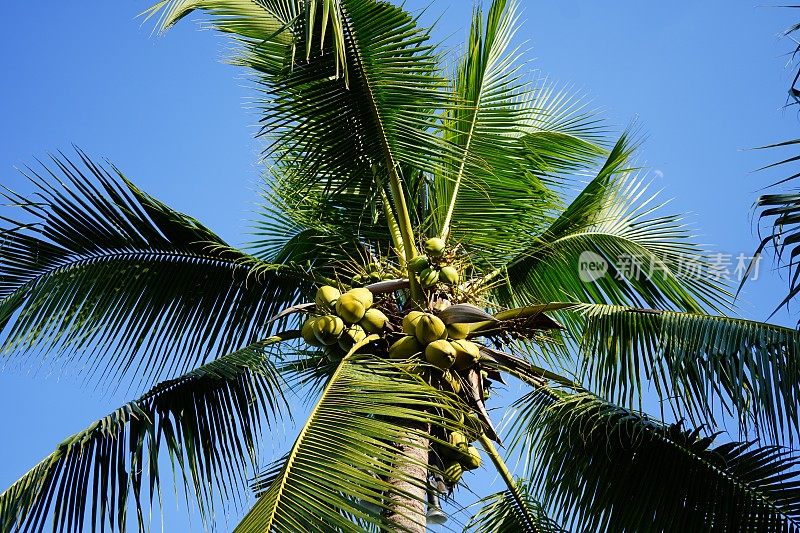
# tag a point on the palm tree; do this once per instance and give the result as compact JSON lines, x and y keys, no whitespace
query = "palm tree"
{"x":419,"y":244}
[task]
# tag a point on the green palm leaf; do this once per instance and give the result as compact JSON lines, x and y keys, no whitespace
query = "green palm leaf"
{"x":612,"y":218}
{"x":697,"y":361}
{"x":502,"y":512}
{"x":207,"y":420}
{"x":319,"y":231}
{"x":605,"y":468}
{"x":253,"y":20}
{"x":337,"y":469}
{"x":489,"y":189}
{"x":490,"y":104}
{"x":330,"y":132}
{"x":96,"y":268}
{"x":781,"y":212}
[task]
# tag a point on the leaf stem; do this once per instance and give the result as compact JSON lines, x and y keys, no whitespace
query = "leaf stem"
{"x":502,"y":469}
{"x":394,"y":229}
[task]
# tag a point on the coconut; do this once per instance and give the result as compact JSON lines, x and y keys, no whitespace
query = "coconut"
{"x":307,"y":332}
{"x":434,"y":247}
{"x":440,"y":354}
{"x":470,"y":458}
{"x":327,"y":329}
{"x":429,"y":328}
{"x":456,"y":439}
{"x":455,"y":448}
{"x":458,"y":330}
{"x":448,"y":275}
{"x":410,"y":322}
{"x":326,"y":298}
{"x":405,"y":348}
{"x":418,"y":263}
{"x":467,"y":354}
{"x":350,"y":336}
{"x":363,"y":295}
{"x":452,"y":472}
{"x":374,"y":320}
{"x":428,"y":277}
{"x":350,"y":308}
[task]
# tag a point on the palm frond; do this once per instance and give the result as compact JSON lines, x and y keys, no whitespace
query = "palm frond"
{"x":484,"y":123}
{"x":697,"y":362}
{"x":601,"y":467}
{"x":338,"y":468}
{"x":269,"y":24}
{"x":92,"y":267}
{"x":507,"y":138}
{"x":503,"y":513}
{"x":562,"y":135}
{"x":780,"y":210}
{"x":319,"y":231}
{"x":781,"y":213}
{"x":208,"y":421}
{"x":648,"y":259}
{"x":334,"y":133}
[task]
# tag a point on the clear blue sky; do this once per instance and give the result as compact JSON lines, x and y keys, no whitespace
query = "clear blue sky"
{"x":705,"y":81}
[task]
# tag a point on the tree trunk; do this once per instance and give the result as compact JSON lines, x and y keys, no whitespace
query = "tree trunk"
{"x":407,"y":505}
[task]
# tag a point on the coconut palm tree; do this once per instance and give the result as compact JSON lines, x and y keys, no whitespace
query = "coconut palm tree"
{"x":419,"y":243}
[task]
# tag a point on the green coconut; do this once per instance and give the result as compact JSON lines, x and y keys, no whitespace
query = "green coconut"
{"x":448,"y":275}
{"x":326,"y":298}
{"x":363,"y":295}
{"x":327,"y":329}
{"x":434,"y":247}
{"x":351,"y":335}
{"x":410,"y":322}
{"x":456,"y":439}
{"x":404,"y":348}
{"x":430,"y":328}
{"x":456,"y":446}
{"x":470,"y":458}
{"x":428,"y":277}
{"x":467,"y":354}
{"x":418,"y":263}
{"x":452,"y":472}
{"x":350,"y":308}
{"x":374,"y":320}
{"x":440,"y":354}
{"x":458,"y":330}
{"x":307,"y":332}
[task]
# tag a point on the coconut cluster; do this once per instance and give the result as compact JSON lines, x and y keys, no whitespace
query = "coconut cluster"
{"x":373,"y":273}
{"x":342,"y":319}
{"x":458,"y":455}
{"x":442,"y":346}
{"x":432,"y":268}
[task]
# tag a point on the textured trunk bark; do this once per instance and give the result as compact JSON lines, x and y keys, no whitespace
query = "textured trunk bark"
{"x":407,"y":506}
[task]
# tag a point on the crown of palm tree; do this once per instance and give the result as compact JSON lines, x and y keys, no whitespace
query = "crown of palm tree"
{"x":374,"y":150}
